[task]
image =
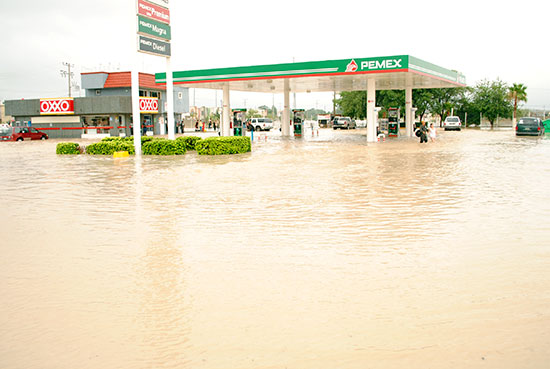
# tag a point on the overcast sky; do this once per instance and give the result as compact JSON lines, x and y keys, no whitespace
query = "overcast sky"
{"x":482,"y":39}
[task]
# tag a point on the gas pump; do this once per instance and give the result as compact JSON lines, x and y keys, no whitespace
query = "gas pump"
{"x":298,"y":117}
{"x":393,"y":122}
{"x":239,"y":116}
{"x":412,"y":124}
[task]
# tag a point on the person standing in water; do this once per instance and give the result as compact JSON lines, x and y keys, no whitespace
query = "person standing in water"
{"x":423,"y":133}
{"x":432,"y":132}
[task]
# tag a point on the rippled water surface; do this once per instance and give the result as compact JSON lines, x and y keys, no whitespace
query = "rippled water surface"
{"x":322,"y":253}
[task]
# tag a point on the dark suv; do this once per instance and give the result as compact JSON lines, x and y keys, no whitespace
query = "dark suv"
{"x":529,"y":127}
{"x":8,"y":133}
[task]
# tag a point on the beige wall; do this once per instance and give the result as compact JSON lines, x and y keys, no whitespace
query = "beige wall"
{"x":3,"y":117}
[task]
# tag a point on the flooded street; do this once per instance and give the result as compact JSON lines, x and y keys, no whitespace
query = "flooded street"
{"x":325,"y":252}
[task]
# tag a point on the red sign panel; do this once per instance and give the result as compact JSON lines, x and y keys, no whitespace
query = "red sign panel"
{"x":153,"y":11}
{"x":148,"y":105}
{"x":57,"y":106}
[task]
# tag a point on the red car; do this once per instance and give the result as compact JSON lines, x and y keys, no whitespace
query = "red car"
{"x":21,"y":134}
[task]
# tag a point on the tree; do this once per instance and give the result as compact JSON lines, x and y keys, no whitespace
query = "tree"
{"x":443,"y":100}
{"x":517,"y":93}
{"x":311,"y":114}
{"x":491,"y":98}
{"x":215,"y":116}
{"x":390,"y":99}
{"x":421,"y":101}
{"x":352,"y":104}
{"x":252,"y":113}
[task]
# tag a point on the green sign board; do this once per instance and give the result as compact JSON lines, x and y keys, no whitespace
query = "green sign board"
{"x":153,"y":28}
{"x":327,"y":67}
{"x":153,"y":46}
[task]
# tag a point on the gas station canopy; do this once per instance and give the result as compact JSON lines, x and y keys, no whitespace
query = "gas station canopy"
{"x":396,"y":72}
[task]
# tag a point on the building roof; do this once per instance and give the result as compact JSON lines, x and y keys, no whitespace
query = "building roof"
{"x":124,"y":79}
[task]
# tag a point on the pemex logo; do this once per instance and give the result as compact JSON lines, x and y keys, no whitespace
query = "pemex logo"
{"x":352,"y":66}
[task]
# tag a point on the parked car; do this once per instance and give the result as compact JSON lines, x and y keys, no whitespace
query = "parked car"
{"x":259,"y":124}
{"x":530,"y":127}
{"x":452,"y":122}
{"x":8,"y":133}
{"x":343,"y":123}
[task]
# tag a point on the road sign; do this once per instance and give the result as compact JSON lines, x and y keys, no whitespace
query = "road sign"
{"x":154,"y":28}
{"x":153,"y":46}
{"x":153,"y":11}
{"x":161,"y":3}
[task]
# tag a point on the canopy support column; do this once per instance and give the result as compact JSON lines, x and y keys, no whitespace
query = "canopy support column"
{"x":285,"y":124}
{"x":371,"y":104}
{"x":409,"y":117}
{"x":170,"y":100}
{"x":226,"y":111}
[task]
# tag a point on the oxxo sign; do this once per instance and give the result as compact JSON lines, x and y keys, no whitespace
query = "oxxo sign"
{"x":57,"y":106}
{"x":148,"y":105}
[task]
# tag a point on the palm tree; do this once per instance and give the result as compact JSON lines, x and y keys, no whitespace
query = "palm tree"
{"x":517,"y":93}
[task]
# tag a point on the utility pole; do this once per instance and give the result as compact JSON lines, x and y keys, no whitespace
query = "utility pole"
{"x":67,"y":73}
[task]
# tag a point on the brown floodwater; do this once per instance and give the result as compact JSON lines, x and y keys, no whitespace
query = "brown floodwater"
{"x":324,"y":252}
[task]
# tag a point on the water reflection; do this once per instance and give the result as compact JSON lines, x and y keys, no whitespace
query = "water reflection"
{"x":326,"y":252}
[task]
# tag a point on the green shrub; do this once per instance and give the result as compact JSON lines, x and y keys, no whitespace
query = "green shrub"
{"x":128,"y":139}
{"x":223,"y":145}
{"x":110,"y":147}
{"x":162,"y":147}
{"x":67,"y":148}
{"x":110,"y":139}
{"x":145,"y":139}
{"x":189,"y":141}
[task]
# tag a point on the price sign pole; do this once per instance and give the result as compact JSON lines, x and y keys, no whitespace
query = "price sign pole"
{"x":152,"y":22}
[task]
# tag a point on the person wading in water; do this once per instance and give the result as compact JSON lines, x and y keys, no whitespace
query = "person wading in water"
{"x":423,"y":133}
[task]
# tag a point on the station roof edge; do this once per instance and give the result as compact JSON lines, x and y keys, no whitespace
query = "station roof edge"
{"x":324,"y":68}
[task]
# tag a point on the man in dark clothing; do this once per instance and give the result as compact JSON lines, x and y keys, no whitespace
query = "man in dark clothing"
{"x":423,"y":133}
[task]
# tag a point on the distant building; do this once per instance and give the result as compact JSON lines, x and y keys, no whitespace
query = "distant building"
{"x":106,"y":109}
{"x":3,"y":117}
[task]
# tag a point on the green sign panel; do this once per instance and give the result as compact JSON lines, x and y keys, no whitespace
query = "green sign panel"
{"x":153,"y":46}
{"x":153,"y":28}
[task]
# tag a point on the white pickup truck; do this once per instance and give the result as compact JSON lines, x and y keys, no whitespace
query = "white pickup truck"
{"x":259,"y":124}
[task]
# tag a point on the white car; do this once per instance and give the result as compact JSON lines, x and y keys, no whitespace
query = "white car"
{"x":260,"y":124}
{"x":452,"y":122}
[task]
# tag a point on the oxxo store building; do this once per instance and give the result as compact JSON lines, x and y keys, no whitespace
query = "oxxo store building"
{"x":105,"y":111}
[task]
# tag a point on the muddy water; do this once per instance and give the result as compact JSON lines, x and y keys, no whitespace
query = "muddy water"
{"x":321,"y":253}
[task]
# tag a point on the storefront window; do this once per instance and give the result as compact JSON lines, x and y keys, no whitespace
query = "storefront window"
{"x":95,"y":121}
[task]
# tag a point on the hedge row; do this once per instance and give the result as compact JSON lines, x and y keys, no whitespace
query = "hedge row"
{"x":110,"y":147}
{"x":223,"y":145}
{"x":129,"y":139}
{"x":189,"y":141}
{"x":161,"y":146}
{"x":67,"y":148}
